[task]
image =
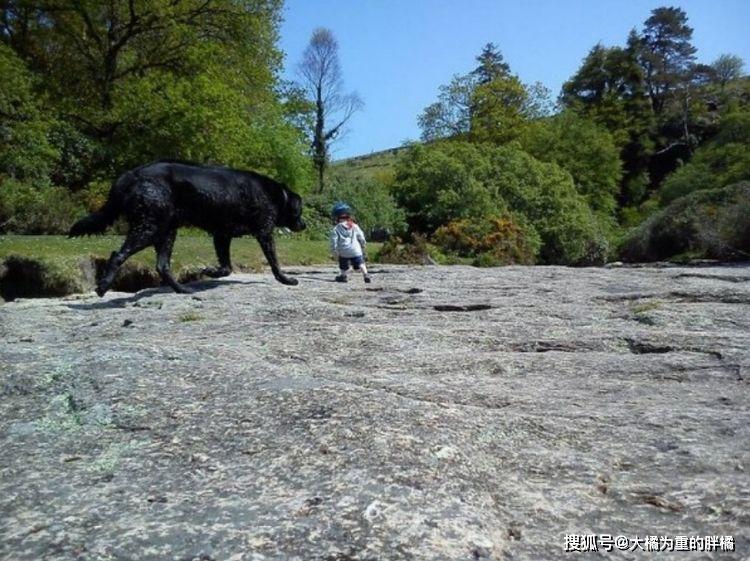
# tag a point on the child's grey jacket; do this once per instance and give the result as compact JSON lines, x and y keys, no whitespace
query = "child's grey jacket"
{"x":347,"y":241}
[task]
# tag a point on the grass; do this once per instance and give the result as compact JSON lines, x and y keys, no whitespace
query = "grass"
{"x":190,"y":316}
{"x":645,"y":307}
{"x":190,"y":251}
{"x":56,"y":265}
{"x":380,"y":165}
{"x":640,"y":312}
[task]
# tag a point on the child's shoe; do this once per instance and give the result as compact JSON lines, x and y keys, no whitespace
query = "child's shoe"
{"x":368,"y":280}
{"x":341,"y":278}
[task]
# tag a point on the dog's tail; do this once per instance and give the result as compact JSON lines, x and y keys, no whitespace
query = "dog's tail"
{"x":94,"y":223}
{"x":97,"y":222}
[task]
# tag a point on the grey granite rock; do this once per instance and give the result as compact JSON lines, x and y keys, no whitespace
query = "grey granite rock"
{"x":438,"y":413}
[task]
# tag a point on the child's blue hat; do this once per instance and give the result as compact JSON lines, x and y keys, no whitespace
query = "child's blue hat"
{"x":340,"y":208}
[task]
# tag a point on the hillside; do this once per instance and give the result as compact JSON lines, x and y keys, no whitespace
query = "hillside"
{"x":376,"y":165}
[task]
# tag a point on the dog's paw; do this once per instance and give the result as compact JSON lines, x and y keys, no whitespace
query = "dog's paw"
{"x":288,"y":281}
{"x":216,"y":272}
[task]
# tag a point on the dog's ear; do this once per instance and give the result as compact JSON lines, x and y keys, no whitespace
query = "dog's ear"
{"x":279,"y":194}
{"x":295,"y":203}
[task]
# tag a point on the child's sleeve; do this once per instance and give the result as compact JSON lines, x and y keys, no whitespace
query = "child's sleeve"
{"x":361,"y":237}
{"x":332,"y":241}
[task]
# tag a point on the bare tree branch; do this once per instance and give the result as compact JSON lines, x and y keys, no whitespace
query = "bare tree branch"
{"x":320,"y":70}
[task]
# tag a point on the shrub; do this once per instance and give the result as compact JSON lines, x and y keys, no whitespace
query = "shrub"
{"x":449,"y":181}
{"x":442,"y":182}
{"x":25,"y":209}
{"x":25,"y":150}
{"x":93,"y":197}
{"x":372,"y":203}
{"x":78,"y":156}
{"x":416,"y":252}
{"x":206,"y":116}
{"x":724,"y":160}
{"x":711,"y":224}
{"x":497,"y":240}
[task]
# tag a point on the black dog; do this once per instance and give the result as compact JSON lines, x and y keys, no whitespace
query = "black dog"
{"x":158,"y":198}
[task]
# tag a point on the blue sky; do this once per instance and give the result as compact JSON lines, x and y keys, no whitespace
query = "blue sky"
{"x":396,"y":54}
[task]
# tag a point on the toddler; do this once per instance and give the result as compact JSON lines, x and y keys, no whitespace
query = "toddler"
{"x":348,"y":243}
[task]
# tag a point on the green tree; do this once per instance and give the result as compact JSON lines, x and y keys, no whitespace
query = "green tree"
{"x":28,"y":203}
{"x":487,"y":104}
{"x":492,"y":65}
{"x":585,"y":150}
{"x":722,"y":161}
{"x":727,"y":68}
{"x":609,"y":88}
{"x":205,"y":118}
{"x":450,"y":116}
{"x":25,"y":150}
{"x":139,"y":80}
{"x":442,"y":182}
{"x":88,"y":48}
{"x":666,"y":53}
{"x":498,"y":110}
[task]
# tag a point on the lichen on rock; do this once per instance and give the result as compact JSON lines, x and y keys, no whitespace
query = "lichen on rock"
{"x":455,"y":413}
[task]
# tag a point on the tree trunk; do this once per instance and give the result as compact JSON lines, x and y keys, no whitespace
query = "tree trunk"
{"x":686,"y":120}
{"x":319,"y":142}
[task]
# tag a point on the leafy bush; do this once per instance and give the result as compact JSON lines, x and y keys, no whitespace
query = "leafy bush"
{"x":724,"y":160}
{"x":372,"y":203}
{"x":585,"y":150}
{"x":206,"y":117}
{"x":71,"y":119}
{"x":25,"y":150}
{"x":79,"y":156}
{"x":442,"y":182}
{"x":448,"y":181}
{"x":416,"y":252}
{"x":632,"y":216}
{"x":94,"y":195}
{"x":497,"y":240}
{"x":25,"y":209}
{"x":711,"y":223}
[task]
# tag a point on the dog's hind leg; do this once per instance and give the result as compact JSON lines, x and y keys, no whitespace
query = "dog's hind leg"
{"x":221,"y":245}
{"x":163,"y":247}
{"x":269,"y":250}
{"x":138,"y":238}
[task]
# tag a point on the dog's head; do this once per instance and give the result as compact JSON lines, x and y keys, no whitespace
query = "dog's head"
{"x":291,"y":211}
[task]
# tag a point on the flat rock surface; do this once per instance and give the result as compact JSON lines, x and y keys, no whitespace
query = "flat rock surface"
{"x":441,"y":413}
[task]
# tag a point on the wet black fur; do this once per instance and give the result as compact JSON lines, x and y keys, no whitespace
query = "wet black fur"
{"x":158,"y":198}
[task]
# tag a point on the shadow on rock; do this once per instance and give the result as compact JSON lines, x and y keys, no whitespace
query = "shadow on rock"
{"x":196,"y":287}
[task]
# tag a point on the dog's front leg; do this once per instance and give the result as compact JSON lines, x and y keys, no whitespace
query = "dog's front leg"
{"x":221,"y":245}
{"x":269,"y":250}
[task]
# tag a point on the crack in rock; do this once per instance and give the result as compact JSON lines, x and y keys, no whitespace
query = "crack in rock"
{"x":461,"y":308}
